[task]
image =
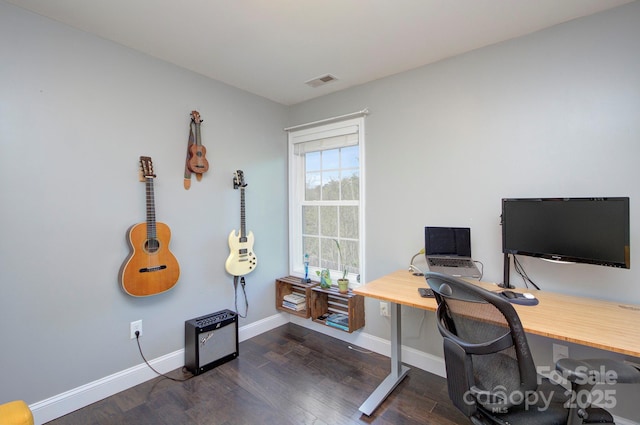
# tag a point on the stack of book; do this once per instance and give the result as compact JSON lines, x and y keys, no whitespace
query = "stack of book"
{"x":294,"y":302}
{"x":338,"y":320}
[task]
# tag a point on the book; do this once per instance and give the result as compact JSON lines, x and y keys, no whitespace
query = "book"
{"x":295,"y":298}
{"x":337,"y":326}
{"x":292,"y":306}
{"x":339,"y":319}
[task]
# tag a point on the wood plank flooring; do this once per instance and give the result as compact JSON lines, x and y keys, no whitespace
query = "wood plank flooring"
{"x":287,"y":376}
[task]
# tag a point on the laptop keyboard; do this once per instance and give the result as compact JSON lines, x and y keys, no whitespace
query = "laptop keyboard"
{"x":450,"y":262}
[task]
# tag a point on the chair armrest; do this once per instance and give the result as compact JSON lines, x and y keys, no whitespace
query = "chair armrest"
{"x":573,"y":370}
{"x":598,"y":371}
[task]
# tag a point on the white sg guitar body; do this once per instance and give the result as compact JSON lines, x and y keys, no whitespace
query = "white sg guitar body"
{"x":242,"y":260}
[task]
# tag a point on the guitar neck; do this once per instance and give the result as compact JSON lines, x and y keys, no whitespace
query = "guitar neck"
{"x":151,"y":210}
{"x":243,"y":229}
{"x":198,"y":139}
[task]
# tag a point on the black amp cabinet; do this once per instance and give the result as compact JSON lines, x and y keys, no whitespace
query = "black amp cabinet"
{"x":210,"y":341}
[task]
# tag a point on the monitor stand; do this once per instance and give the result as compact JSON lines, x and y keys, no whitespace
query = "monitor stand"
{"x":506,"y":271}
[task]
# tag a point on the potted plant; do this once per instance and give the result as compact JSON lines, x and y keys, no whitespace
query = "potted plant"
{"x":343,"y":283}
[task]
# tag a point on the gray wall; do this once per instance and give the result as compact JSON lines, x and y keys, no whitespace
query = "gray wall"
{"x":554,"y":113}
{"x":550,"y":114}
{"x":76,"y":112}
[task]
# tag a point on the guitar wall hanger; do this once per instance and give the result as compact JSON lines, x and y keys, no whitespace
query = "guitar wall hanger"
{"x":196,"y":161}
{"x":238,"y":183}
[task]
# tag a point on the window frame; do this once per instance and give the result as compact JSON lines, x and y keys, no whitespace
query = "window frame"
{"x":297,"y":182}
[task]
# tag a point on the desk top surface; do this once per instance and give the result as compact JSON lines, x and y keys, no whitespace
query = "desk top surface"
{"x":606,"y":325}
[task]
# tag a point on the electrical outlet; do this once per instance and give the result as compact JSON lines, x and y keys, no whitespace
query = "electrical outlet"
{"x":560,"y":352}
{"x":384,"y":309}
{"x":135,"y":326}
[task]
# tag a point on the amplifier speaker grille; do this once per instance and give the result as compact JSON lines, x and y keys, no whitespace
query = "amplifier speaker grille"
{"x":210,"y":341}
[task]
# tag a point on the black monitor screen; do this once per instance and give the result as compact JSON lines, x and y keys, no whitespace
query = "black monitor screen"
{"x":584,"y":230}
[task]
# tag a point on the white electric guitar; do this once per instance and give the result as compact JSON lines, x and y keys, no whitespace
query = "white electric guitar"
{"x":242,"y":260}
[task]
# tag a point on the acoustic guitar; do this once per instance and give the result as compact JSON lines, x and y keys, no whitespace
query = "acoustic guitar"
{"x":150,"y":268}
{"x":197,"y":162}
{"x":242,"y":260}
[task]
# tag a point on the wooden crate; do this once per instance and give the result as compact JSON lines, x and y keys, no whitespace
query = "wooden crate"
{"x":293,"y":285}
{"x":330,"y":300}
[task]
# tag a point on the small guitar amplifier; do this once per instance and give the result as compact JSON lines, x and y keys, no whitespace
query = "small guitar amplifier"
{"x":210,"y":341}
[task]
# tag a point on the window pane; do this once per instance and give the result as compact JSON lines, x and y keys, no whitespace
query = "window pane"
{"x":312,"y":186}
{"x":329,"y":221}
{"x":350,"y":185}
{"x":312,"y":161}
{"x":349,"y":222}
{"x":310,"y":220}
{"x":350,"y":157}
{"x":329,"y":252}
{"x":350,"y":253}
{"x":331,"y":159}
{"x":331,"y":185}
{"x":312,"y":248}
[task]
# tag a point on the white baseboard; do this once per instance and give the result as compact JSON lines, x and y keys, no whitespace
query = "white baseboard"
{"x":76,"y":398}
{"x":262,"y":326}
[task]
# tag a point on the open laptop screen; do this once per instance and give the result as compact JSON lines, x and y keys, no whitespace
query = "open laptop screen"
{"x":449,"y":241}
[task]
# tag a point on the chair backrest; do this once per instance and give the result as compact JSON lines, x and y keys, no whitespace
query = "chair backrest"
{"x":487,"y":356}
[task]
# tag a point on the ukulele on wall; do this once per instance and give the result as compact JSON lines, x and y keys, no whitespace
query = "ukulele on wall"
{"x":242,"y":260}
{"x":150,"y":268}
{"x":197,"y":162}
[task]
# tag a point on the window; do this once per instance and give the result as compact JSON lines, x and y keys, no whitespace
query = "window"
{"x":325,"y":199}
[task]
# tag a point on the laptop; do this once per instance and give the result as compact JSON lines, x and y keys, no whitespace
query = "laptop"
{"x":448,"y":250}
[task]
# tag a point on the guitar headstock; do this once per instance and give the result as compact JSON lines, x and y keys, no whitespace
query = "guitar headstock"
{"x":238,"y":179}
{"x":195,"y":117}
{"x":146,"y":167}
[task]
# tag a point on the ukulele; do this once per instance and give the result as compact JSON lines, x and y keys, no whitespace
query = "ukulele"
{"x":242,"y":260}
{"x":197,"y":162}
{"x":150,"y":268}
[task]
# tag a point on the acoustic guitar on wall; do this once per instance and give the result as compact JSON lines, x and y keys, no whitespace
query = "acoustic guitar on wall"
{"x":150,"y":268}
{"x":242,"y":260}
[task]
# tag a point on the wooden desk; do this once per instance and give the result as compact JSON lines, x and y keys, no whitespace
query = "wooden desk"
{"x":595,"y":323}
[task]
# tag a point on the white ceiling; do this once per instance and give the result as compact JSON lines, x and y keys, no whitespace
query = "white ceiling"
{"x":272,"y":47}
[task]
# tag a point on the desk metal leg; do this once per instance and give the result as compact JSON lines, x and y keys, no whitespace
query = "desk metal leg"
{"x":398,"y":371}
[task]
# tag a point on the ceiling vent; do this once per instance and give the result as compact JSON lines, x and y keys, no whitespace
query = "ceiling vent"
{"x":321,"y":81}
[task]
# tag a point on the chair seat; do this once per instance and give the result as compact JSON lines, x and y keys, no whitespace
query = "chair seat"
{"x":15,"y":413}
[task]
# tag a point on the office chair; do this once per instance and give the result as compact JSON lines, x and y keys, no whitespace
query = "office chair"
{"x":491,"y":375}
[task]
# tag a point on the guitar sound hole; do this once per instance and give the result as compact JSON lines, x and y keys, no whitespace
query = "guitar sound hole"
{"x":152,"y":245}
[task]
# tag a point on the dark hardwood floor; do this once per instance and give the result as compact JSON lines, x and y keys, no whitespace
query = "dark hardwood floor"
{"x":289,"y":375}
